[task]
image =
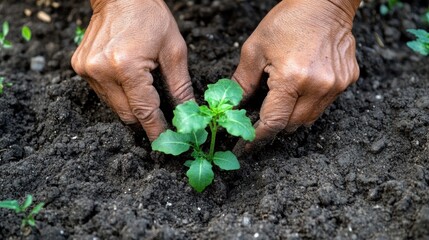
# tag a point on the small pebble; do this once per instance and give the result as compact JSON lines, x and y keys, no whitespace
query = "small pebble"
{"x":38,"y":63}
{"x":44,"y":17}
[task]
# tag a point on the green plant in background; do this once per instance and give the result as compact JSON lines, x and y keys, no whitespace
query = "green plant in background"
{"x":5,"y":30}
{"x":2,"y":85}
{"x":26,"y":33}
{"x":79,"y":35}
{"x":28,"y":219}
{"x":191,"y":122}
{"x":425,"y":17}
{"x":421,"y":44}
{"x":389,"y":6}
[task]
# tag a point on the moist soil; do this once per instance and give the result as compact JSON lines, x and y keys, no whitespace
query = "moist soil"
{"x":360,"y":172}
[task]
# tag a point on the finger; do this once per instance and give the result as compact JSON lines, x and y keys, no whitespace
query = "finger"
{"x":118,"y":101}
{"x":173,"y":62}
{"x":249,"y":70}
{"x":144,"y":101}
{"x":274,"y":115}
{"x":114,"y":96}
{"x":307,"y":110}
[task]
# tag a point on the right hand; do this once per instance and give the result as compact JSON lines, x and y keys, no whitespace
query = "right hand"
{"x":124,"y":42}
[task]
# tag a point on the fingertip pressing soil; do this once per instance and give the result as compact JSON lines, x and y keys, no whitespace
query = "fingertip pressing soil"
{"x":360,"y":172}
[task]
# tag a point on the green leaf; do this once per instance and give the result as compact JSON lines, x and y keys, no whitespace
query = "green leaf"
{"x":30,"y":222}
{"x":199,"y":137}
{"x":26,"y":33}
{"x":7,"y":44}
{"x":188,"y":163}
{"x":27,"y":203}
{"x":422,"y":35}
{"x":224,"y":91}
{"x":237,"y":124}
{"x":170,"y":142}
{"x":226,"y":160}
{"x":79,"y":33}
{"x":37,"y":208}
{"x":5,"y":28}
{"x":206,"y":111}
{"x":200,"y":174}
{"x":188,"y":118}
{"x":10,"y":204}
{"x":419,"y":47}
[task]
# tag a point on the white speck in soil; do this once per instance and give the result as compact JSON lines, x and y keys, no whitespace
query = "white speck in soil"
{"x":256,"y":235}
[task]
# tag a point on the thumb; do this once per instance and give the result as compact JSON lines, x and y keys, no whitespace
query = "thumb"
{"x":249,"y":70}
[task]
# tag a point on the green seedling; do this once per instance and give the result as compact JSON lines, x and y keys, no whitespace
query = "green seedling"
{"x":421,"y":44}
{"x":28,"y":219}
{"x":79,"y":35}
{"x":191,"y":122}
{"x":26,"y":33}
{"x":5,"y":30}
{"x":389,"y":6}
{"x":2,"y":84}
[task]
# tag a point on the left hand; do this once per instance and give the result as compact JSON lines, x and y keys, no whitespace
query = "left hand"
{"x":308,"y":50}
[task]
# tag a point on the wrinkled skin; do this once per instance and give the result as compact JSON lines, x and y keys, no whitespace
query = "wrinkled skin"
{"x":307,"y":49}
{"x":305,"y":46}
{"x":125,"y":40}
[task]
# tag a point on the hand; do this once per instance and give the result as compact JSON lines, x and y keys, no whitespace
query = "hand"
{"x":124,"y":42}
{"x":308,"y":51}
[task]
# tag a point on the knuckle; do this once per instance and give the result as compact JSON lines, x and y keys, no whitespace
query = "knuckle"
{"x":77,"y":65}
{"x":179,"y":49}
{"x":248,"y":49}
{"x":119,"y":61}
{"x":93,"y":66}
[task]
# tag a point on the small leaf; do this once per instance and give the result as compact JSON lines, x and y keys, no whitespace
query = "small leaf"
{"x":26,"y":33}
{"x":10,"y":204}
{"x":7,"y":44}
{"x":79,"y":33}
{"x":199,"y":137}
{"x":237,"y":124}
{"x":171,"y":143}
{"x":206,"y":110}
{"x":200,"y":174}
{"x":419,"y":47}
{"x":27,"y":203}
{"x":37,"y":208}
{"x":224,"y":91}
{"x":30,"y":222}
{"x":422,"y":35}
{"x":188,"y":163}
{"x":5,"y":28}
{"x":226,"y":160}
{"x":188,"y":118}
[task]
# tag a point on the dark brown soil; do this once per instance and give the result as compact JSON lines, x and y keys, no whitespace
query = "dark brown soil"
{"x":361,"y":172}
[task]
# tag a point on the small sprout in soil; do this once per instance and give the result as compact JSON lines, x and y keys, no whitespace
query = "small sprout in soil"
{"x":3,"y":84}
{"x":385,"y":8}
{"x":79,"y":35}
{"x":5,"y":30}
{"x":421,"y":44}
{"x":28,"y":219}
{"x":191,"y":122}
{"x":26,"y":33}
